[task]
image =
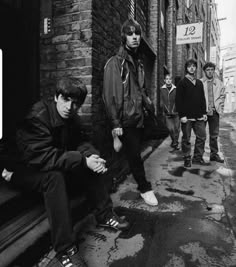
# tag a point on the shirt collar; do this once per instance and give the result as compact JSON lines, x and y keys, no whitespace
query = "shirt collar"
{"x":191,"y":78}
{"x":56,"y":119}
{"x":205,"y":79}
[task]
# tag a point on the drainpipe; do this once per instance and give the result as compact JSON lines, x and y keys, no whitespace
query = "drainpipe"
{"x":158,"y":55}
{"x":209,"y":30}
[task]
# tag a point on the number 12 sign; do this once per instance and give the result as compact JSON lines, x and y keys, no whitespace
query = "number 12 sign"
{"x":189,"y":33}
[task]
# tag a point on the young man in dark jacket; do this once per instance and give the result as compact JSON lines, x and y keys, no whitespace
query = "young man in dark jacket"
{"x":191,"y":106}
{"x":167,"y":103}
{"x":57,"y":157}
{"x":123,"y":96}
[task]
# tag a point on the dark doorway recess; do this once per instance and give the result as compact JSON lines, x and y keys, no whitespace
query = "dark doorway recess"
{"x":19,"y":41}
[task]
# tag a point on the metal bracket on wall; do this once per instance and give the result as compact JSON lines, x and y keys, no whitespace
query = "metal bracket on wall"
{"x":46,"y":18}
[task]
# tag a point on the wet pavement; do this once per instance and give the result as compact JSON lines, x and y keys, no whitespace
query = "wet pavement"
{"x":193,"y":225}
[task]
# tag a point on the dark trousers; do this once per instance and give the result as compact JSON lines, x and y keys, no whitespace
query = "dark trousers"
{"x":55,"y":185}
{"x":173,"y":125}
{"x":213,"y":123}
{"x":132,"y":144}
{"x":199,"y":129}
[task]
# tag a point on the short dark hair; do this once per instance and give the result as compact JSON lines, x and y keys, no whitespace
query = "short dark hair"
{"x":72,"y":87}
{"x":209,"y":65}
{"x":126,"y":28}
{"x":167,"y":74}
{"x":189,"y":62}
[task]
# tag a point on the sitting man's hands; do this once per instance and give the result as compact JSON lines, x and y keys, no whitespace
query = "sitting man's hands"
{"x":96,"y":164}
{"x":117,"y":132}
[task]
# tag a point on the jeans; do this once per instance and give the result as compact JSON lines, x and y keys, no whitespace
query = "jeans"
{"x":132,"y":144}
{"x":199,"y":128}
{"x":55,"y":185}
{"x":213,"y":123}
{"x":173,"y":125}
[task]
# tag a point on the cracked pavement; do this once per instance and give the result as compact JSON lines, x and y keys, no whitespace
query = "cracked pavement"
{"x":193,"y":225}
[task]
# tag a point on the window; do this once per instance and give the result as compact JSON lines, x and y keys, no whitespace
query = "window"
{"x":233,"y":97}
{"x":227,"y":97}
{"x":231,"y":80}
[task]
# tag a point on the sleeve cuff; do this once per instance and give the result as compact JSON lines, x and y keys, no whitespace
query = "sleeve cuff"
{"x":84,"y":162}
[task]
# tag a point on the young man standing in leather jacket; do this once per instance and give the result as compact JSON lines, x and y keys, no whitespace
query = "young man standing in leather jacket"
{"x":123,"y":96}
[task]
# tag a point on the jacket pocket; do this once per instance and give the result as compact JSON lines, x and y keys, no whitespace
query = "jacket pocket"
{"x":132,"y":111}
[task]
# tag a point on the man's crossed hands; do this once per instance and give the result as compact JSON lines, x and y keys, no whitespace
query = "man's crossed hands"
{"x":96,"y":164}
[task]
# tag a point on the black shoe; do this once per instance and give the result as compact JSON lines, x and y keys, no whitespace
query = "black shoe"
{"x":187,"y":162}
{"x":174,"y":144}
{"x":200,"y":162}
{"x":216,"y":158}
{"x":114,"y":222}
{"x":71,"y":258}
{"x":176,"y":147}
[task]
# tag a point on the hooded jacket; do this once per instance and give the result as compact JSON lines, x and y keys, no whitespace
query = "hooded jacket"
{"x":123,"y":86}
{"x":48,"y":142}
{"x":218,"y":94}
{"x":168,"y":100}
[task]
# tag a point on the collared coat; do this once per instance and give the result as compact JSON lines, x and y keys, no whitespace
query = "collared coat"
{"x":218,"y":94}
{"x":168,"y":100}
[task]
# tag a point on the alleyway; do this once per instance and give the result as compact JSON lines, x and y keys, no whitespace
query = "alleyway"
{"x":190,"y":227}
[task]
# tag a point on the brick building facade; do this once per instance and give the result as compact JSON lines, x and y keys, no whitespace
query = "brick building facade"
{"x":183,"y":12}
{"x":57,"y":38}
{"x":84,"y":35}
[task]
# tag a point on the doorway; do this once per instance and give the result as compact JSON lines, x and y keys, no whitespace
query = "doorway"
{"x":19,"y":41}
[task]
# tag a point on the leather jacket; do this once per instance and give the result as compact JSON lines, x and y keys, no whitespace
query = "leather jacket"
{"x":47,"y":142}
{"x":123,"y":86}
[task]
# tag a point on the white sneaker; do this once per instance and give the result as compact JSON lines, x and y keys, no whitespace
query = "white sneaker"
{"x":6,"y":175}
{"x":150,"y":198}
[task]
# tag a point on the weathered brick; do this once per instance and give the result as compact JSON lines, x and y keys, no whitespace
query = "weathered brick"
{"x":62,"y":20}
{"x":61,"y":65}
{"x":61,"y":38}
{"x":76,"y":62}
{"x":75,"y":26}
{"x":62,"y":47}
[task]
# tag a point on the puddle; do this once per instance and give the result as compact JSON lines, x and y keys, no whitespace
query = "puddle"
{"x":216,"y":208}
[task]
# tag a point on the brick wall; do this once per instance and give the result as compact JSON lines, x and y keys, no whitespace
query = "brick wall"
{"x":85,"y":34}
{"x":181,"y":52}
{"x":108,"y":17}
{"x":68,"y":50}
{"x":153,"y":32}
{"x":171,"y":38}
